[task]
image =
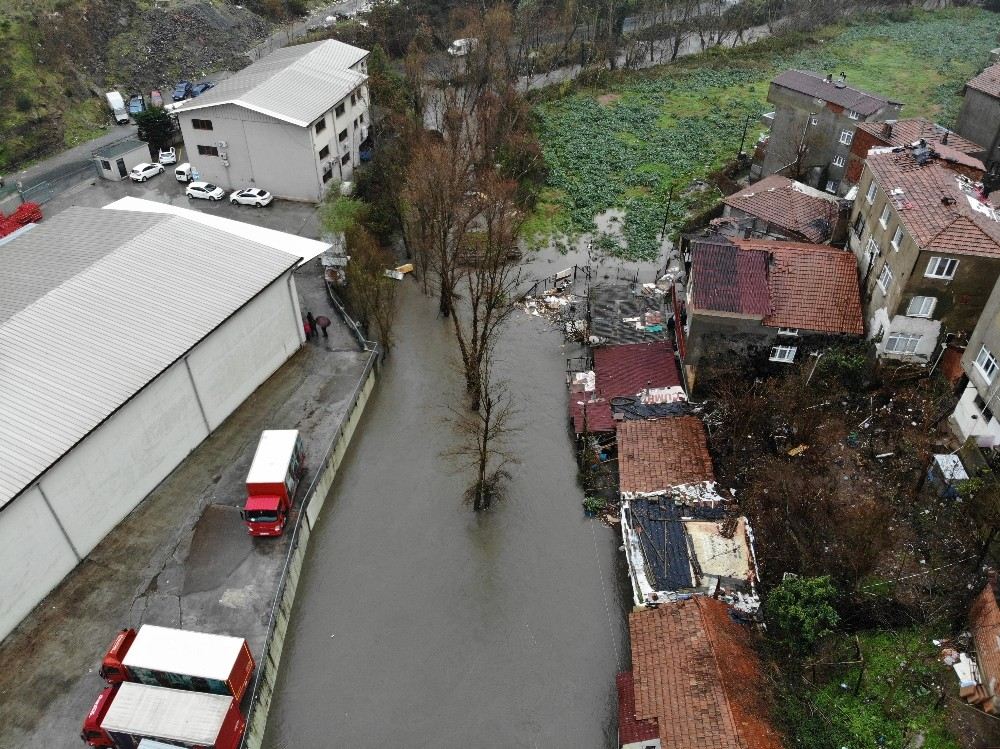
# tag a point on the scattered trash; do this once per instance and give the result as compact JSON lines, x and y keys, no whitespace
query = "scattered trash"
{"x":796,"y":451}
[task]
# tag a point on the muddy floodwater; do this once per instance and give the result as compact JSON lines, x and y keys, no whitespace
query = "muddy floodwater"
{"x":421,"y":624}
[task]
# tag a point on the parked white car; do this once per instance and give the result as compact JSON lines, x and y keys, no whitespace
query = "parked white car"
{"x":169,"y":156}
{"x":205,"y":191}
{"x":142,"y":172}
{"x":251,"y":196}
{"x":185,"y":173}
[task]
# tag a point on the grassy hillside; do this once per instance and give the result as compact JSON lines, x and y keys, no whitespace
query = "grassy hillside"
{"x":56,"y":56}
{"x":624,"y":143}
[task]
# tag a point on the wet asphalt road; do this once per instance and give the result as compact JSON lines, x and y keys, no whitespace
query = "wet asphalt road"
{"x":419,"y":623}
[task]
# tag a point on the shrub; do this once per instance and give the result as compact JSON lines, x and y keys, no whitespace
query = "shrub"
{"x":800,"y":611}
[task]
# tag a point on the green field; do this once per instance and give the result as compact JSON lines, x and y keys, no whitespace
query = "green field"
{"x":624,"y":143}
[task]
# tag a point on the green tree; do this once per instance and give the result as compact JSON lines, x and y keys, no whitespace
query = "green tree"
{"x":800,"y":611}
{"x":155,"y":127}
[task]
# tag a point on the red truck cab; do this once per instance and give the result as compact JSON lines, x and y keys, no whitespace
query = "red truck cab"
{"x":274,"y":476}
{"x":112,"y":669}
{"x":92,"y":733}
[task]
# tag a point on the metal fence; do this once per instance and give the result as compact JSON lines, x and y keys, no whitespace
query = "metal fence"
{"x":55,"y":183}
{"x":312,"y":503}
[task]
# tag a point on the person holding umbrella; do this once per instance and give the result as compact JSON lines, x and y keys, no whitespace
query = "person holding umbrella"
{"x":323,"y":322}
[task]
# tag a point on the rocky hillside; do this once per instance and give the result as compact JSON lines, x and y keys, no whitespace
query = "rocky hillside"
{"x":58,"y":56}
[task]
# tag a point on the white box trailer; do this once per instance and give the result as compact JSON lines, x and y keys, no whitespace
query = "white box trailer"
{"x":177,"y":717}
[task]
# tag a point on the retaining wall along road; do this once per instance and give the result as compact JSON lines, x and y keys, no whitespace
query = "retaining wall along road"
{"x":309,"y":512}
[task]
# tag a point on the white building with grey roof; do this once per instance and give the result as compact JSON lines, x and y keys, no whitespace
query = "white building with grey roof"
{"x":126,"y":338}
{"x":292,"y":123}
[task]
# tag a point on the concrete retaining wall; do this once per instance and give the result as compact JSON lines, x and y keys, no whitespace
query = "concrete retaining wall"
{"x":312,"y":506}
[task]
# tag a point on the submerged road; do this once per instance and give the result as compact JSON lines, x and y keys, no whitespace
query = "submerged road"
{"x":419,"y":623}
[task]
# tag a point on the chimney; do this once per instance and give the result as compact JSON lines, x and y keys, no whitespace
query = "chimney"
{"x":829,"y":77}
{"x":944,"y":138}
{"x":841,"y":80}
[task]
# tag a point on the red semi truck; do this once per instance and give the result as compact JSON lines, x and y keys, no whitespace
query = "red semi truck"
{"x":127,"y":713}
{"x":274,"y":475}
{"x":180,"y":659}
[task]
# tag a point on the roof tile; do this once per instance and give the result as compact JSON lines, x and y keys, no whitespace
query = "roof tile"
{"x":797,"y":209}
{"x":656,"y":455}
{"x":815,"y":84}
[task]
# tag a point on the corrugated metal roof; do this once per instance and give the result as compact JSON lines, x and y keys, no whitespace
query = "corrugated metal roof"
{"x":95,"y":305}
{"x":296,"y":84}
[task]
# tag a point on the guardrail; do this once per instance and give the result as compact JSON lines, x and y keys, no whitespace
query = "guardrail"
{"x":309,"y":511}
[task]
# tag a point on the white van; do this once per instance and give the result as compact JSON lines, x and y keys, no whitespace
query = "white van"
{"x":462,"y":47}
{"x":185,"y":173}
{"x":117,"y":105}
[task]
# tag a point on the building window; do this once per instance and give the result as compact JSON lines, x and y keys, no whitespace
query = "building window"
{"x":986,"y":364}
{"x":831,"y":185}
{"x":902,"y":343}
{"x":355,"y":123}
{"x":361,"y":118}
{"x":324,"y":152}
{"x":327,"y":173}
{"x":783,"y":354}
{"x":873,"y":248}
{"x":346,"y":160}
{"x":788,"y":331}
{"x":870,"y":195}
{"x":321,"y":125}
{"x":897,"y":238}
{"x":846,"y":136}
{"x":941,"y":267}
{"x":884,"y":218}
{"x":859,"y":225}
{"x":885,"y":278}
{"x":342,"y":135}
{"x":201,"y":124}
{"x":105,"y":165}
{"x":838,"y":161}
{"x":339,"y":111}
{"x":853,"y":115}
{"x":921,"y":306}
{"x":208,"y":151}
{"x":353,"y":99}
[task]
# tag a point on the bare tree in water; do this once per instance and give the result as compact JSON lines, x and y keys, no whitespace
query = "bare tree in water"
{"x":483,"y":439}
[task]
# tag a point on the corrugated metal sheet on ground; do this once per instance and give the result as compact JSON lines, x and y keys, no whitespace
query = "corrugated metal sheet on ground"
{"x":110,"y":300}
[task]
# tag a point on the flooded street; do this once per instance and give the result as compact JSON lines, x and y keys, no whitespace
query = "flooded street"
{"x":419,"y":623}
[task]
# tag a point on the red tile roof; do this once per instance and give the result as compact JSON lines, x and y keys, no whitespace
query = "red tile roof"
{"x":984,"y":621}
{"x":988,"y":81}
{"x":697,"y":676}
{"x":795,"y":208}
{"x":906,"y":132}
{"x":594,"y":414}
{"x":630,"y":728}
{"x":933,"y":206}
{"x":811,"y":287}
{"x":632,"y":367}
{"x":725,"y":279}
{"x":815,"y":84}
{"x":789,"y":284}
{"x":656,"y":455}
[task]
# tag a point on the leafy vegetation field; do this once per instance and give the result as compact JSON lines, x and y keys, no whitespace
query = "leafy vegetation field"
{"x":624,"y":143}
{"x":898,"y":698}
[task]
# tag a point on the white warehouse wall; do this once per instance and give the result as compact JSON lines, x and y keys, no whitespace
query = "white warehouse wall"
{"x":97,"y":483}
{"x":34,"y":557}
{"x":246,"y":350}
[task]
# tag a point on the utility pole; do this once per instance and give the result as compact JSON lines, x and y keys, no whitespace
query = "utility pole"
{"x":746,"y":126}
{"x":666,"y":214}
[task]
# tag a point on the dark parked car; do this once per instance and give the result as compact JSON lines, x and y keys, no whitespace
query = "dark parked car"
{"x":182,"y":90}
{"x":136,"y":104}
{"x":200,"y":88}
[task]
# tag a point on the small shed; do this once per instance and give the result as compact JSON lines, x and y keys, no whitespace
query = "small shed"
{"x":116,"y":160}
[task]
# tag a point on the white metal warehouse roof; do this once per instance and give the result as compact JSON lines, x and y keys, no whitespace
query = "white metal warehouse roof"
{"x":295,"y":84}
{"x":171,"y":714}
{"x":182,"y":651}
{"x":94,"y":305}
{"x":302,"y":247}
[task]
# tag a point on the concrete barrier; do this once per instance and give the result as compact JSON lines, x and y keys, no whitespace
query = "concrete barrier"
{"x":309,"y":513}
